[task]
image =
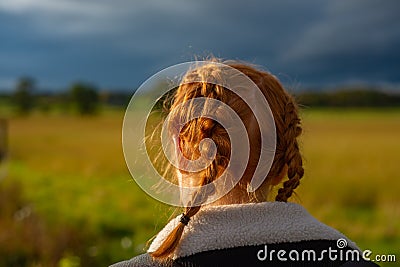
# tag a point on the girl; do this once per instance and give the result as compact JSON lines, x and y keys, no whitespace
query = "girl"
{"x":242,"y":228}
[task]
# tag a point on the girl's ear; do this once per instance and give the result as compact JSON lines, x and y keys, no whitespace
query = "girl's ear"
{"x":279,"y":178}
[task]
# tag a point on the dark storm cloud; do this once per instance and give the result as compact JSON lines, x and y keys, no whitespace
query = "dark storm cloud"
{"x":121,"y":43}
{"x":355,"y":40}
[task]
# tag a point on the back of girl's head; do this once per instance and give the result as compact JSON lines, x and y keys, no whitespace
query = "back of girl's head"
{"x":287,"y":124}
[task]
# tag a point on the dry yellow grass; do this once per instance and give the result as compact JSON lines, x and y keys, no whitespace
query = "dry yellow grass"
{"x":352,"y":178}
{"x":73,"y":168}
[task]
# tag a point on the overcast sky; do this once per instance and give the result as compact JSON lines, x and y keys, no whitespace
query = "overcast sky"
{"x":120,"y":43}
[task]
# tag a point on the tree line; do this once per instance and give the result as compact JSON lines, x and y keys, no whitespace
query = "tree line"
{"x":85,"y":98}
{"x":350,"y":97}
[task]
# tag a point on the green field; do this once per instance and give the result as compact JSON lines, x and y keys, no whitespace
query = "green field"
{"x":68,"y":194}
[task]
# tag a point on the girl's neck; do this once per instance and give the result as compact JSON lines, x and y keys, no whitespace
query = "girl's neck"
{"x":239,"y":195}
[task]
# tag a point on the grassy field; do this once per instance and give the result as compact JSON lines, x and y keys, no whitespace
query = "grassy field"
{"x":78,"y":202}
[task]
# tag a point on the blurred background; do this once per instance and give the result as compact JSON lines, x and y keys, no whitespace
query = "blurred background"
{"x":68,"y":69}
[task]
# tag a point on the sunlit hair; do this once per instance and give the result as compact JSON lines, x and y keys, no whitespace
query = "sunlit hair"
{"x":287,"y":122}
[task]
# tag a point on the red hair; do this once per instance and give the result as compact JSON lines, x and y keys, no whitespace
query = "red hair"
{"x":287,"y":123}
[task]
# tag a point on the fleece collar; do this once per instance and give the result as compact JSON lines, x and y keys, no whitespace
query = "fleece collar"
{"x":219,"y":227}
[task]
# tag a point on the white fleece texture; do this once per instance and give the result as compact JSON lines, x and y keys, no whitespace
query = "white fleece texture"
{"x":219,"y":227}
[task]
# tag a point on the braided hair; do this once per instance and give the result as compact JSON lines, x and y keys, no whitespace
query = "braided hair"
{"x":190,"y":136}
{"x":288,"y":129}
{"x":287,"y":122}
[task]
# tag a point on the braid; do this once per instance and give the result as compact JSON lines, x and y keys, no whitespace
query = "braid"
{"x":208,"y":128}
{"x":172,"y":240}
{"x":292,"y":154}
{"x":287,"y":122}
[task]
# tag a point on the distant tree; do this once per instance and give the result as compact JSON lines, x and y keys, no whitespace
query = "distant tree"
{"x":85,"y":98}
{"x":23,"y":95}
